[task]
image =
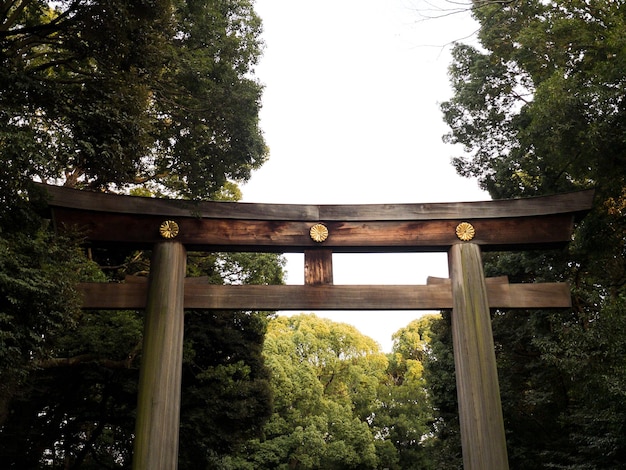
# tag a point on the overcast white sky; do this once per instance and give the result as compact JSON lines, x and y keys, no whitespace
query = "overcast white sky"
{"x":351,"y":116}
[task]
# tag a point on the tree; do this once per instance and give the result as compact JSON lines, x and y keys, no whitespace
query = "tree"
{"x":324,"y":377}
{"x":404,"y":416}
{"x":439,"y":375}
{"x":109,"y":94}
{"x":341,"y":403}
{"x":539,"y":104}
{"x":539,"y":108}
{"x":227,"y":396}
{"x":154,"y":97}
{"x":74,"y":405}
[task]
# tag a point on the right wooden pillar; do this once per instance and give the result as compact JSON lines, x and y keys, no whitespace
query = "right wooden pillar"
{"x":480,"y":408}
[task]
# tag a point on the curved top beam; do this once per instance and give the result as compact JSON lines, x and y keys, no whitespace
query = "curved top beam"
{"x":233,"y":226}
{"x":569,"y":203}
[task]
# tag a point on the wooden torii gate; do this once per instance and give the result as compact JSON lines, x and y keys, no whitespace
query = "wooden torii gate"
{"x":170,"y":227}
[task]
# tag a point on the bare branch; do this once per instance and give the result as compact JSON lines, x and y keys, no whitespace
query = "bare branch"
{"x":12,"y":18}
{"x":75,"y":361}
{"x":82,"y":359}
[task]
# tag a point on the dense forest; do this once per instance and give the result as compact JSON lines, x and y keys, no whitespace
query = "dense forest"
{"x":539,"y":108}
{"x":158,"y":98}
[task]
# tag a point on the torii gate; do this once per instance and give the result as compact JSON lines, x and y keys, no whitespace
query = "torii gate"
{"x":170,"y":227}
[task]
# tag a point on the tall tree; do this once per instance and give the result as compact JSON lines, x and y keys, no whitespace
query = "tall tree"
{"x":103,"y":94}
{"x":439,"y":374}
{"x":73,"y":405}
{"x":404,"y":416}
{"x":157,"y":96}
{"x":325,"y":377}
{"x":339,"y":402}
{"x":539,"y":108}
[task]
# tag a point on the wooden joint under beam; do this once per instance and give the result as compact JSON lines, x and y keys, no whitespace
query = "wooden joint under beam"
{"x":318,"y":267}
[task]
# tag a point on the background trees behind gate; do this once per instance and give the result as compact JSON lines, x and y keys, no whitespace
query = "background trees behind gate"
{"x":339,"y":402}
{"x":539,"y":108}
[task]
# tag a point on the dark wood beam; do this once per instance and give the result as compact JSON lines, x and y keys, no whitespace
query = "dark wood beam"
{"x":290,"y":236}
{"x":567,"y":203}
{"x":221,"y":226}
{"x":435,"y":296}
{"x":318,"y":267}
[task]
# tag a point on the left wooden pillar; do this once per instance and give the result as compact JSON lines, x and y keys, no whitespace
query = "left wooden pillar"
{"x":158,"y":407}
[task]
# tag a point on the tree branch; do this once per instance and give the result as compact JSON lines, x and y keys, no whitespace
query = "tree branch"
{"x":75,"y":361}
{"x":9,"y":20}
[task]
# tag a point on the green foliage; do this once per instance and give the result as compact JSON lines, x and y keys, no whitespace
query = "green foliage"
{"x":57,"y":363}
{"x":405,"y":415}
{"x":37,"y":302}
{"x":323,"y":375}
{"x":110,"y":94}
{"x":589,"y":355}
{"x":226,"y":391}
{"x":439,"y":374}
{"x":340,"y":403}
{"x":88,"y":376}
{"x":539,"y":108}
{"x":152,"y":96}
{"x":539,"y":105}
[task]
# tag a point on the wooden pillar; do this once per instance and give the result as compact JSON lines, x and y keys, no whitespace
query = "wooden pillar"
{"x":158,"y":408}
{"x":480,"y":409}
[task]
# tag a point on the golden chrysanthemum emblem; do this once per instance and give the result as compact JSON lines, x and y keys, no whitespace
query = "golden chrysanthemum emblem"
{"x":465,"y":231}
{"x":169,"y":229}
{"x":319,"y":233}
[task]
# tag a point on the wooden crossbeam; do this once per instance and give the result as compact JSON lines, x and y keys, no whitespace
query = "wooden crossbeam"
{"x":574,"y":202}
{"x":434,"y":296}
{"x":293,"y":236}
{"x":223,"y":226}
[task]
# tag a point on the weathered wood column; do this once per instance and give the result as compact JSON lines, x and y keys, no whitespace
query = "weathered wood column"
{"x":480,"y":409}
{"x":158,"y":408}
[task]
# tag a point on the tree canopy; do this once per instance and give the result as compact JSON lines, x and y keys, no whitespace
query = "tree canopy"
{"x":110,"y":94}
{"x":339,"y":402}
{"x":538,"y":106}
{"x":152,"y":97}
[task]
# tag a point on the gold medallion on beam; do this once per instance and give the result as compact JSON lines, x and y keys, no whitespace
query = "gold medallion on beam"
{"x":319,"y":233}
{"x":465,"y":231}
{"x":169,"y":229}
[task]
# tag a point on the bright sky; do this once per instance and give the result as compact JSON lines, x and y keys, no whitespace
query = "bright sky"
{"x":351,"y":116}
